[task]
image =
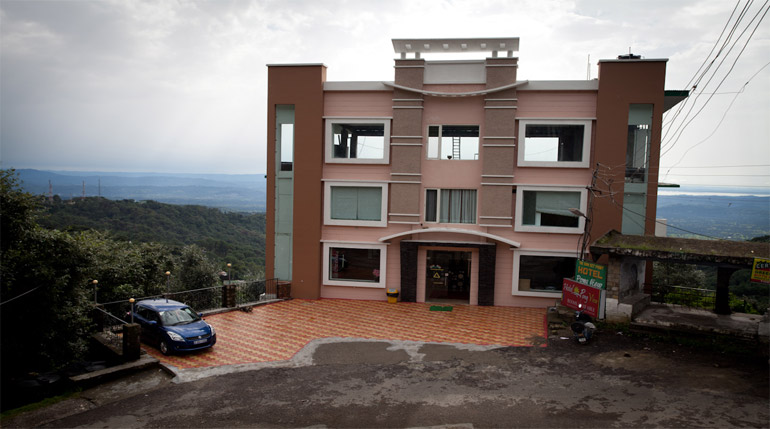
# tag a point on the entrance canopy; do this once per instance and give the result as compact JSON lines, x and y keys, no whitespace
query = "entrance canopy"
{"x":454,"y":231}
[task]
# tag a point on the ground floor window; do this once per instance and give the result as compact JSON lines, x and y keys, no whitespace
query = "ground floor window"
{"x":541,"y":273}
{"x":349,"y":264}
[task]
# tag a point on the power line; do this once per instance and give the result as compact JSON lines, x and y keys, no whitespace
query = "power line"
{"x":662,"y":223}
{"x":680,"y":129}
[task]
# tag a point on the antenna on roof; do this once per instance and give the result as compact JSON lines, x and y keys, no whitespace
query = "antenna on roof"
{"x":589,"y":68}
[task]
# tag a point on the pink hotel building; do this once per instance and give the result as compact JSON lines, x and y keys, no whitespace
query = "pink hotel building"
{"x":456,"y":182}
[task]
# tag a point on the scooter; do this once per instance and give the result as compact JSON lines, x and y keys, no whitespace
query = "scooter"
{"x":582,"y":328}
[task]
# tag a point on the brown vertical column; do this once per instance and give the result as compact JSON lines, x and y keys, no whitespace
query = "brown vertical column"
{"x":498,"y":143}
{"x":406,"y":143}
{"x":300,"y":85}
{"x":722,"y":304}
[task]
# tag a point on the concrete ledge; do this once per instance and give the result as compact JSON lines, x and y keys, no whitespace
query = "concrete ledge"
{"x":92,"y":378}
{"x":662,"y":317}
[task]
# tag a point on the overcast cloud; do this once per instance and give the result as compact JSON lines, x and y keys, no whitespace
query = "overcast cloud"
{"x":180,"y":86}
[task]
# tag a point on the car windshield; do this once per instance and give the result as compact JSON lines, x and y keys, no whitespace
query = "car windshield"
{"x":180,"y":316}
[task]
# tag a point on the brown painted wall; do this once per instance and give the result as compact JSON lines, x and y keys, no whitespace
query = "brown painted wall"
{"x":301,"y":86}
{"x":622,"y":83}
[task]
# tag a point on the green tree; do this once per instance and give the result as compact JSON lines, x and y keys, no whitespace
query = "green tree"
{"x":195,"y":270}
{"x":44,"y":312}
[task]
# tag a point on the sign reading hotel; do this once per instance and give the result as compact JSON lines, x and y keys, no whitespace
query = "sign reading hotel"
{"x":573,"y":294}
{"x":591,"y":274}
{"x":760,"y":271}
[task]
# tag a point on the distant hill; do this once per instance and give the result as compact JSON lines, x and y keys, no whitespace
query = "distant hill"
{"x":735,"y":217}
{"x":237,"y":192}
{"x":238,"y":238}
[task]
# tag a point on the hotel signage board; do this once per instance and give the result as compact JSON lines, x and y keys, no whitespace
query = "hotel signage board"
{"x":573,"y":294}
{"x":591,"y":274}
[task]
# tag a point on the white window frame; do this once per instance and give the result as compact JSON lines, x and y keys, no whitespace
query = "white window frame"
{"x":438,"y":206}
{"x":550,"y":229}
{"x":383,"y":248}
{"x":585,"y":163}
{"x":383,"y":222}
{"x":358,"y":120}
{"x":516,"y":265}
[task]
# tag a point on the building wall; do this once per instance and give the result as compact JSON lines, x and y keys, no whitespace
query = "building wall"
{"x":622,"y":83}
{"x":301,"y":86}
{"x":409,"y":172}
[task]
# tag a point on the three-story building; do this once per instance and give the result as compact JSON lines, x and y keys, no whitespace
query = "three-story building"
{"x":456,"y":182}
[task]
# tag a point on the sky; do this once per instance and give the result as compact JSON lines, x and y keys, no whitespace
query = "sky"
{"x":181,"y":86}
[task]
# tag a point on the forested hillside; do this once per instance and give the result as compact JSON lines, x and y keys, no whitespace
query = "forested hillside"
{"x":237,"y":238}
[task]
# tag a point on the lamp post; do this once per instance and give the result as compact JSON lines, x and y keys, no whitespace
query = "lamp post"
{"x":132,"y":300}
{"x":229,"y":269}
{"x":95,"y":282}
{"x":168,"y":281}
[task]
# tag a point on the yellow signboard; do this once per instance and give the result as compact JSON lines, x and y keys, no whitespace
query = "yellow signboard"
{"x":760,"y":272}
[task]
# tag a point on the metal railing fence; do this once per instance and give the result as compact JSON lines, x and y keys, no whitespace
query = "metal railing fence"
{"x":685,"y":296}
{"x":110,"y":327}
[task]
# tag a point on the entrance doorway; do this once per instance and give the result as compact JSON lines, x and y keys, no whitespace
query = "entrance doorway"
{"x":448,"y":276}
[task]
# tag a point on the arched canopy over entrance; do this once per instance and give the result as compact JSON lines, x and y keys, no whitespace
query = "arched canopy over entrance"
{"x":484,"y":290}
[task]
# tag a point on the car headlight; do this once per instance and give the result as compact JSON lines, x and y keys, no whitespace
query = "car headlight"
{"x":174,"y":336}
{"x":212,"y":331}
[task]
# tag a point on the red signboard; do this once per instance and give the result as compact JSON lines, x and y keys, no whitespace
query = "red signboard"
{"x":573,"y":294}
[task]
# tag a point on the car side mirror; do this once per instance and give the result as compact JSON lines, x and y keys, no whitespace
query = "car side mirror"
{"x":200,"y":315}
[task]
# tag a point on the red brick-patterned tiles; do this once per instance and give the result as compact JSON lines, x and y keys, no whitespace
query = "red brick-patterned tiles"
{"x":278,"y":331}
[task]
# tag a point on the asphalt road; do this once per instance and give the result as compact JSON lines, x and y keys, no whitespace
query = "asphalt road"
{"x":615,"y":381}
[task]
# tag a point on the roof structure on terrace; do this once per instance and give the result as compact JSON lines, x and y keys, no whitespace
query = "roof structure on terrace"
{"x":739,"y":254}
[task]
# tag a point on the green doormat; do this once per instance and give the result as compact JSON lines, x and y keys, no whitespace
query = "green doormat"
{"x":440,"y":308}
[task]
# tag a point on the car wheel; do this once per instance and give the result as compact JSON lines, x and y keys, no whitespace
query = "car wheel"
{"x":164,"y":348}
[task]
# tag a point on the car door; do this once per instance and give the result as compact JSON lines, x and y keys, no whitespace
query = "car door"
{"x":149,"y":330}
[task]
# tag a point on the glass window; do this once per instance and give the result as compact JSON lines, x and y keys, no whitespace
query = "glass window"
{"x":453,"y":142}
{"x":358,"y":140}
{"x":452,"y":205}
{"x":539,"y":273}
{"x":365,"y":141}
{"x":356,"y":203}
{"x":284,"y":118}
{"x":553,"y":142}
{"x":352,"y":264}
{"x":550,"y":208}
{"x":638,"y":147}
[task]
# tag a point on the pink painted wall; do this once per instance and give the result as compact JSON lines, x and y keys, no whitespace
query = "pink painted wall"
{"x":573,"y":104}
{"x":358,"y":103}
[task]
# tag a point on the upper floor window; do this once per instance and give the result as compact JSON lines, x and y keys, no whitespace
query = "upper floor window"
{"x":550,"y":209}
{"x":554,"y":143}
{"x":450,"y":205}
{"x":355,"y":204}
{"x":638,"y":147}
{"x":454,"y":142}
{"x":357,"y":140}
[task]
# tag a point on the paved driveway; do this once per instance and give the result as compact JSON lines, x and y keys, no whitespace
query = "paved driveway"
{"x":276,"y":332}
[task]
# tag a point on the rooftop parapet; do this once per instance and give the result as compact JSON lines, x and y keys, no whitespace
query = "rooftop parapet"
{"x":420,"y":46}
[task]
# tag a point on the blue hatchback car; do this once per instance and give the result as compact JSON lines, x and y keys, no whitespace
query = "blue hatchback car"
{"x":173,"y":326}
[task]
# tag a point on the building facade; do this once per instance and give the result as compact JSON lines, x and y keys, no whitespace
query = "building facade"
{"x":456,"y":182}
